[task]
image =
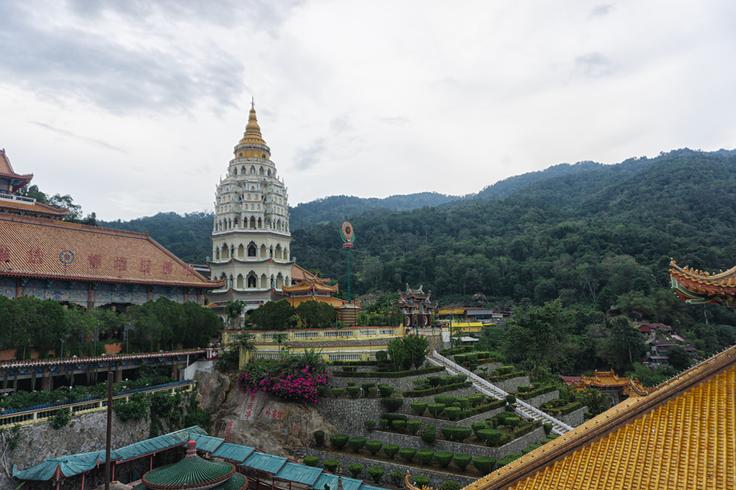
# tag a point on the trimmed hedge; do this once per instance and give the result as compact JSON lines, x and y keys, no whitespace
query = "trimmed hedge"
{"x":492,"y":437}
{"x":373,"y":447}
{"x":399,"y":425}
{"x":436,"y":408}
{"x":388,"y":374}
{"x":461,"y":461}
{"x":392,"y":404}
{"x":311,"y":461}
{"x":385,"y":390}
{"x":390,"y":450}
{"x":421,"y":481}
{"x":453,"y":413}
{"x":531,"y":393}
{"x":355,"y":469}
{"x":457,"y":434}
{"x":562,"y":410}
{"x":353,"y":391}
{"x":436,"y":389}
{"x":419,"y":407}
{"x":376,"y":473}
{"x":337,"y":392}
{"x":356,"y":443}
{"x":330,"y":465}
{"x":338,"y":441}
{"x":394,"y":416}
{"x":484,"y":464}
{"x":503,"y":377}
{"x":428,"y":434}
{"x":425,"y":456}
{"x":443,"y":458}
{"x":407,"y":454}
{"x":412,"y":426}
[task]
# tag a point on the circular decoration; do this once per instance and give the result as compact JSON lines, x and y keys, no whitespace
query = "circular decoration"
{"x":347,"y":234}
{"x":66,"y":257}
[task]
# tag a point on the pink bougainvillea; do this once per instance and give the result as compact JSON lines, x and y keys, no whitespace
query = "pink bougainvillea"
{"x":286,"y":382}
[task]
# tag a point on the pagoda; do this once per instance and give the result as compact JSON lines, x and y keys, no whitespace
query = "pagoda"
{"x":251,"y":239}
{"x":194,"y":473}
{"x":11,"y":199}
{"x":698,"y":287}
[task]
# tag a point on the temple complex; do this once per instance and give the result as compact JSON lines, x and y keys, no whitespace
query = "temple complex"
{"x":251,"y":238}
{"x":616,"y":387}
{"x":90,"y":266}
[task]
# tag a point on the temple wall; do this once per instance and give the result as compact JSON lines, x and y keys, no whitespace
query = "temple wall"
{"x":62,"y":291}
{"x":7,"y":287}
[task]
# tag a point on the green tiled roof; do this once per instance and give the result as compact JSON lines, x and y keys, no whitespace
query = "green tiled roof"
{"x":264,"y":462}
{"x":330,"y":480}
{"x":73,"y":464}
{"x":191,"y":472}
{"x":233,"y":452}
{"x":236,"y":482}
{"x":207,"y":444}
{"x":299,"y":473}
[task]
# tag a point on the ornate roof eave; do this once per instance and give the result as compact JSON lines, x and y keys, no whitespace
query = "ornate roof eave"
{"x":698,"y":287}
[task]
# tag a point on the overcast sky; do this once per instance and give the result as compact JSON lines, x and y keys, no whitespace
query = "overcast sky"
{"x":134,"y":107}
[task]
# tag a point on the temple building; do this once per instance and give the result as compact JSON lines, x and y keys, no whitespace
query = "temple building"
{"x":417,"y":307}
{"x":251,"y":238}
{"x":698,"y":287}
{"x":45,"y":257}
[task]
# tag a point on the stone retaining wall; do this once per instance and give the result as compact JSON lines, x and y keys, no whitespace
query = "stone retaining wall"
{"x":430,"y":398}
{"x":466,"y":422}
{"x":436,"y":476}
{"x":515,"y":446}
{"x":575,"y":417}
{"x":349,"y":415}
{"x":511,"y":385}
{"x":401,"y":384}
{"x":538,"y":401}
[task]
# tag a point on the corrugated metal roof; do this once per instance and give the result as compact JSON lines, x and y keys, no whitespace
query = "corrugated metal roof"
{"x":299,"y":473}
{"x":265,"y":462}
{"x":156,"y":444}
{"x":71,"y":465}
{"x":330,"y":480}
{"x":207,"y":444}
{"x":233,"y":452}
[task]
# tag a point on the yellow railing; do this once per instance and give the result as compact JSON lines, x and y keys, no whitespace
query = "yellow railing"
{"x":43,"y":414}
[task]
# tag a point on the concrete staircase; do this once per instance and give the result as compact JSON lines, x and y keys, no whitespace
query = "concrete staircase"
{"x":487,"y":388}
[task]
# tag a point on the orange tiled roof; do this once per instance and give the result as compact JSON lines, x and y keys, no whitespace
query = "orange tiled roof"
{"x":299,"y":274}
{"x":6,"y":170}
{"x":330,"y":300}
{"x":696,"y":286}
{"x":43,"y":248}
{"x":310,"y":287}
{"x":36,"y":208}
{"x":681,"y":436}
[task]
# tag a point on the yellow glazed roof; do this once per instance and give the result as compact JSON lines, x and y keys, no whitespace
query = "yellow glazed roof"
{"x":681,"y":436}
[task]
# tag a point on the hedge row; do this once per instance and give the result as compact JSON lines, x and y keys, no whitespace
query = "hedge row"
{"x":389,"y":374}
{"x":425,"y":457}
{"x":527,"y":392}
{"x":453,"y":412}
{"x":436,"y":389}
{"x":563,"y":409}
{"x":503,"y":377}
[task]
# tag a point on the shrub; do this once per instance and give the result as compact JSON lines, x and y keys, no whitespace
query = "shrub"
{"x":337,"y":392}
{"x":477,"y":426}
{"x":395,"y":416}
{"x":484,"y":464}
{"x":501,"y":370}
{"x":510,"y":399}
{"x":338,"y":441}
{"x":353,"y":391}
{"x":385,"y":390}
{"x":434,"y":380}
{"x":419,"y":407}
{"x":396,"y":477}
{"x":398,"y":425}
{"x":446,"y":380}
{"x":355,"y":469}
{"x":507,"y":459}
{"x":474,"y":401}
{"x":383,"y":423}
{"x":407,"y":454}
{"x":311,"y":460}
{"x":376,"y":473}
{"x":443,"y":458}
{"x":492,"y":437}
{"x":547,"y":429}
{"x":444,"y":399}
{"x":435,"y":408}
{"x":356,"y":443}
{"x":428,"y":434}
{"x":367,"y":386}
{"x":373,"y":447}
{"x":450,"y":485}
{"x":512,"y":421}
{"x":390,"y":450}
{"x":330,"y":465}
{"x":524,"y":389}
{"x":457,"y":434}
{"x":461,"y":461}
{"x":421,"y":481}
{"x":453,"y":413}
{"x":319,"y":438}
{"x":60,"y":419}
{"x":392,"y":404}
{"x":412,"y":426}
{"x":370,"y":425}
{"x":425,"y":456}
{"x":372,"y":392}
{"x":381,"y":356}
{"x":349,"y":369}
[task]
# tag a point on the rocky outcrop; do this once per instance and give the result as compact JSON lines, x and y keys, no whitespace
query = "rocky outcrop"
{"x":257,"y":419}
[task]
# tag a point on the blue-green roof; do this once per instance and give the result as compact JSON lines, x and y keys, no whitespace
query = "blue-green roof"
{"x":236,"y":453}
{"x":264,"y":462}
{"x":330,"y":480}
{"x":299,"y":473}
{"x":156,"y":444}
{"x":71,"y":465}
{"x":207,"y":444}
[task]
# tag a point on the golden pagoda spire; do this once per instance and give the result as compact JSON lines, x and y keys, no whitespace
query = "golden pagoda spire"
{"x":252,"y":135}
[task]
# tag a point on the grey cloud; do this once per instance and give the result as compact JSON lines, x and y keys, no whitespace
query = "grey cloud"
{"x":593,"y":65}
{"x":340,"y":125}
{"x":395,"y":120}
{"x":79,"y":137}
{"x":310,"y":155}
{"x":601,"y":10}
{"x":62,"y":61}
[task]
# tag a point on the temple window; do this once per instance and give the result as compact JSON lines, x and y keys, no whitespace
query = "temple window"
{"x":252,"y":281}
{"x":264,"y":281}
{"x":240,"y":281}
{"x":252,"y":249}
{"x":241,"y":251}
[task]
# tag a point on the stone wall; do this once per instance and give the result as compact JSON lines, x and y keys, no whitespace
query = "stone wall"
{"x":466,"y":422}
{"x":401,"y":384}
{"x":436,"y":476}
{"x":575,"y":417}
{"x":511,"y":385}
{"x":84,"y":433}
{"x":349,"y":415}
{"x":540,"y":400}
{"x":430,"y":398}
{"x":515,"y":446}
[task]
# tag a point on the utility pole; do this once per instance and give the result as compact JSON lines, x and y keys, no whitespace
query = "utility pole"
{"x":108,"y":438}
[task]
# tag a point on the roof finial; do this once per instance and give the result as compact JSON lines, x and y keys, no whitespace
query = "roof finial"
{"x":252,"y":102}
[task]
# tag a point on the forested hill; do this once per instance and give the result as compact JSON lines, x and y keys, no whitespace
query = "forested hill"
{"x":337,"y":208}
{"x":593,"y":233}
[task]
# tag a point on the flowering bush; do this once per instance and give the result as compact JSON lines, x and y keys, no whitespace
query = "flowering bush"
{"x":291,"y":379}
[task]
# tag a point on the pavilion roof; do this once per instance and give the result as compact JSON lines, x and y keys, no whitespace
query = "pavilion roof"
{"x":51,"y":249}
{"x":190,"y":472}
{"x":6,"y":171}
{"x":698,"y":287}
{"x":680,"y":436}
